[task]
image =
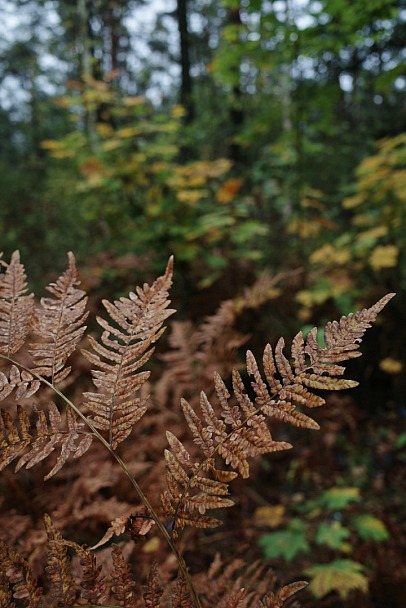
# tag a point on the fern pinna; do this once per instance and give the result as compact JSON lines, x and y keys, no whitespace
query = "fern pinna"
{"x":36,"y":343}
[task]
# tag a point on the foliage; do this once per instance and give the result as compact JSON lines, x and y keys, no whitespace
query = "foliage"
{"x":197,"y":477}
{"x":342,"y":575}
{"x":128,"y":172}
{"x":329,"y":523}
{"x":369,"y":250}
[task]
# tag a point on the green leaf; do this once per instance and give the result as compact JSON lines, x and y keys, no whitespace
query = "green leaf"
{"x":331,"y":534}
{"x":286,"y":543}
{"x":400,"y":441}
{"x":370,"y":527}
{"x":339,"y":498}
{"x":341,"y":575}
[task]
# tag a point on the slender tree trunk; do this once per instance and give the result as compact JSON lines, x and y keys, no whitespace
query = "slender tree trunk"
{"x":86,"y":65}
{"x":236,"y":111}
{"x":186,"y":82}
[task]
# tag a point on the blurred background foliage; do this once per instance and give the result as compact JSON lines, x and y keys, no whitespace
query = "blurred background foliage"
{"x":242,"y":136}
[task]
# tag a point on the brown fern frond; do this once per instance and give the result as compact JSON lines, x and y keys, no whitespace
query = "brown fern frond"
{"x":153,"y":589}
{"x":272,"y":600}
{"x":240,"y":431}
{"x":180,"y":596}
{"x":94,"y":588}
{"x":58,"y":567}
{"x":16,"y":308}
{"x":15,"y":438}
{"x":236,"y":599}
{"x":23,"y":382}
{"x":17,"y":580}
{"x":59,"y":323}
{"x":124,"y":348}
{"x":123,"y":584}
{"x":233,"y":584}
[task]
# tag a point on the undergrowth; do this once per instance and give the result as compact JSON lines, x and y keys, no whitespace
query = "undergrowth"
{"x":84,"y":434}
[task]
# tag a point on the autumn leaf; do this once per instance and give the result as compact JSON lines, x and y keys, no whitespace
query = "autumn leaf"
{"x":384,"y":256}
{"x":341,"y":575}
{"x":391,"y":366}
{"x":229,"y":189}
{"x":270,"y":517}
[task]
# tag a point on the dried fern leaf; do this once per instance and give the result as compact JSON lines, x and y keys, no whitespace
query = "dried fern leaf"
{"x":236,"y":599}
{"x":94,"y":588}
{"x":118,"y":526}
{"x":123,"y":584}
{"x":58,"y":568}
{"x":17,"y":580}
{"x":13,"y":441}
{"x":180,"y":596}
{"x":15,"y":438}
{"x":124,"y":348}
{"x":59,"y":323}
{"x":272,"y":600}
{"x":16,"y":308}
{"x":24,"y":384}
{"x":237,"y":432}
{"x":153,"y":589}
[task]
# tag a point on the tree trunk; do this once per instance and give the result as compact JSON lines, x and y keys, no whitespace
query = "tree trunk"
{"x":236,"y":111}
{"x":186,"y":79}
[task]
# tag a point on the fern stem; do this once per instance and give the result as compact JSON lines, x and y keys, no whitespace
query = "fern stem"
{"x":142,"y":496}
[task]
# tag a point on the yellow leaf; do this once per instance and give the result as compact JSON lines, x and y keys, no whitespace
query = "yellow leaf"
{"x":353,"y":201}
{"x":151,"y":545}
{"x":63,"y":153}
{"x":373,"y":233}
{"x":192,"y":196}
{"x":391,"y":366}
{"x":133,"y":101}
{"x":50,"y":144}
{"x":104,"y":129}
{"x":271,"y":517}
{"x":363,"y":220}
{"x":304,"y":228}
{"x":341,"y":575}
{"x":384,"y":256}
{"x":128,"y":132}
{"x":111,"y":144}
{"x":178,"y":111}
{"x":327,"y":255}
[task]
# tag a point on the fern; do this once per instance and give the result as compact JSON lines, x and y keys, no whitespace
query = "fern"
{"x":16,"y":308}
{"x":59,"y":323}
{"x":231,"y":428}
{"x":240,"y":431}
{"x":123,"y":350}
